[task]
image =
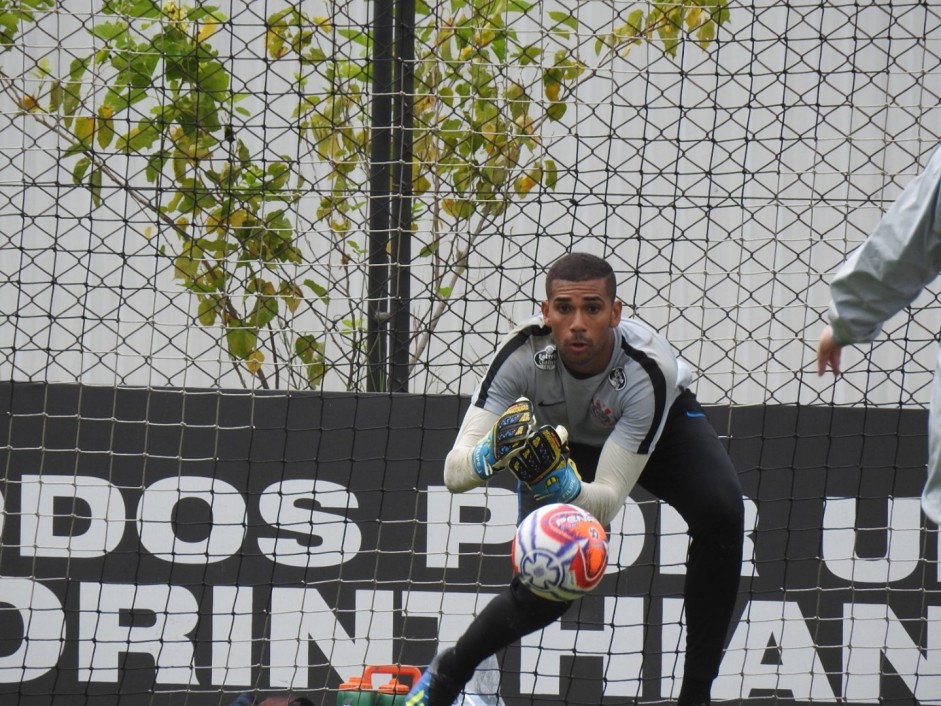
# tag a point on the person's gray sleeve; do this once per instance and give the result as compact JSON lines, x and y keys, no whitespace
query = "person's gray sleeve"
{"x":893,"y":265}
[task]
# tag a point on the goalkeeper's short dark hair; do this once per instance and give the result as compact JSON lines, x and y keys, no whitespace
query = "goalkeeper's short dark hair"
{"x":579,"y":267}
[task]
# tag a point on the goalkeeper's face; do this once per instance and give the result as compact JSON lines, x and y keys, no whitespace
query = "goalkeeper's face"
{"x":582,"y":316}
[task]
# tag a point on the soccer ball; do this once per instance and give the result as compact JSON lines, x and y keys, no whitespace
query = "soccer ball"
{"x":560,"y":552}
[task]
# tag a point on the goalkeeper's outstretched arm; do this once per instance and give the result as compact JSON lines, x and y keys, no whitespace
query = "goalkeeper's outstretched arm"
{"x":493,"y":441}
{"x":459,"y":474}
{"x":617,"y":473}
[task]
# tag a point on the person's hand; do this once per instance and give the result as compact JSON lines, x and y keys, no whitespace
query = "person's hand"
{"x":544,"y":465}
{"x":505,"y":439}
{"x":829,"y":352}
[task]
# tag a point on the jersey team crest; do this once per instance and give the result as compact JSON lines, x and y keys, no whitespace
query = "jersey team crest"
{"x":602,"y":414}
{"x":618,"y":378}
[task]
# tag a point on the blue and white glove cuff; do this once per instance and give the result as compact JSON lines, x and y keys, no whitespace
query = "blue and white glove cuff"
{"x":481,"y":458}
{"x":570,"y":486}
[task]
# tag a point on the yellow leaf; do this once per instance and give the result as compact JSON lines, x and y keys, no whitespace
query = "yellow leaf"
{"x":237,"y":219}
{"x":84,"y":128}
{"x":274,"y":43}
{"x":515,"y":92}
{"x":206,"y":31}
{"x":424,"y":104}
{"x":29,"y":102}
{"x":458,"y":208}
{"x":449,"y":207}
{"x":484,"y":38}
{"x":552,"y":90}
{"x":524,"y":124}
{"x":420,"y":185}
{"x":524,"y":185}
{"x":172,"y":11}
{"x":106,"y":111}
{"x":195,"y":151}
{"x":254,"y":361}
{"x":213,"y":224}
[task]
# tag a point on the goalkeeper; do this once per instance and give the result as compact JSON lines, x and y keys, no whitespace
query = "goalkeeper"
{"x":580,"y":404}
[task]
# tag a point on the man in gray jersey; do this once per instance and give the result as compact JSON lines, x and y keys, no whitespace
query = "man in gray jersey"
{"x":881,"y":277}
{"x":580,"y":384}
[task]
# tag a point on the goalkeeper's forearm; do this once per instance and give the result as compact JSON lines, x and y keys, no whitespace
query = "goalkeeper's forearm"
{"x":459,"y":474}
{"x":617,"y":472}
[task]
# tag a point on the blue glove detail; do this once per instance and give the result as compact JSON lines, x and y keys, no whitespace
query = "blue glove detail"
{"x":504,"y":440}
{"x":543,"y":464}
{"x":483,"y":458}
{"x":560,"y":486}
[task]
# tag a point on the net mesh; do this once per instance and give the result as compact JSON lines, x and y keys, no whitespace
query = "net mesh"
{"x":724,"y":183}
{"x":198,"y":231}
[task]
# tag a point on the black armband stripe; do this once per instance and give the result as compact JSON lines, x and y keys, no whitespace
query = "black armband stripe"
{"x":519,"y":339}
{"x":659,"y":384}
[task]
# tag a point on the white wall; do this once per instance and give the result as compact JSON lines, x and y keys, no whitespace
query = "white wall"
{"x":725,"y":187}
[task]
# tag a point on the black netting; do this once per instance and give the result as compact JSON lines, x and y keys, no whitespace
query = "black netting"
{"x":222,"y":224}
{"x":189,"y":201}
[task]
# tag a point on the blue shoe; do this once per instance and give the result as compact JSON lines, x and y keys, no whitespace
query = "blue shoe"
{"x":419,"y":694}
{"x":433,"y":689}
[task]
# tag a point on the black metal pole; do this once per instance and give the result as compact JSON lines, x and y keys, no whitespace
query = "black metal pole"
{"x":379,"y":193}
{"x":403,"y":122}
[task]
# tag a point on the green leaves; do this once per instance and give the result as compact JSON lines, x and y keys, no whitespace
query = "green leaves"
{"x":664,"y":25}
{"x":109,"y":31}
{"x":218,"y":202}
{"x":156,"y":92}
{"x":311,"y":353}
{"x":14,"y":14}
{"x":241,"y":339}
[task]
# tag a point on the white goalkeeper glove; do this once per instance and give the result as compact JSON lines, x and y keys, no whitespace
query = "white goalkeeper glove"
{"x":544,"y":465}
{"x":504,"y":440}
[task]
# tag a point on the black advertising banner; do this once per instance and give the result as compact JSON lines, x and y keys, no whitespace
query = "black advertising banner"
{"x":183,"y":546}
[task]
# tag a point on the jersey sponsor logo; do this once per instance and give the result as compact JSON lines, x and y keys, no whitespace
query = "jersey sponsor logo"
{"x":618,"y":378}
{"x":546,"y":358}
{"x":602,"y":414}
